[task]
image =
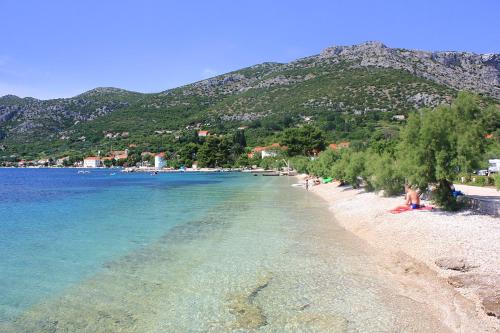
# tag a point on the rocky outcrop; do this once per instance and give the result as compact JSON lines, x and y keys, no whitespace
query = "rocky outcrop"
{"x":460,"y":70}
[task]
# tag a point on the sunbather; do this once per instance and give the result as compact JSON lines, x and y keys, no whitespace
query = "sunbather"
{"x":412,"y":197}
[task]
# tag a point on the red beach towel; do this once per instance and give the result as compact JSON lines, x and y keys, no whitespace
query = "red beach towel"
{"x":404,"y":208}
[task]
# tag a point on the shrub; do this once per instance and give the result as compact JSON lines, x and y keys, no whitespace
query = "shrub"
{"x":300,"y":163}
{"x":497,"y":181}
{"x":355,"y":169}
{"x":383,"y":173}
{"x":271,"y":163}
{"x":322,"y":165}
{"x":441,"y":196}
{"x":350,"y":167}
{"x":481,"y":181}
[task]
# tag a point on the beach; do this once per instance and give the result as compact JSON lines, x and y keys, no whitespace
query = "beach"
{"x":455,"y":256}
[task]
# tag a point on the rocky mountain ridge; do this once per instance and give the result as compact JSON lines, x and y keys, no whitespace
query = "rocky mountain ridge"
{"x":460,"y":70}
{"x":358,"y":79}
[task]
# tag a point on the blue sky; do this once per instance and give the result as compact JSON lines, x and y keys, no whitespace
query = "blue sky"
{"x":56,"y":48}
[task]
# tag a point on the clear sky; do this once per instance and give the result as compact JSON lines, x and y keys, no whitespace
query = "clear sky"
{"x":56,"y":48}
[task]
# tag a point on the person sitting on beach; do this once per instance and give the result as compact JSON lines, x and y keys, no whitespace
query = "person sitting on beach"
{"x":412,"y":198}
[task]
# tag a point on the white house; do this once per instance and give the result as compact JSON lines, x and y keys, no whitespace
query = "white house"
{"x":159,"y":161}
{"x":92,"y":162}
{"x":269,"y":151}
{"x":60,"y":161}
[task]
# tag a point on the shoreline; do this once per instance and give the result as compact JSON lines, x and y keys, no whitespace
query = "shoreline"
{"x":248,"y":264}
{"x":458,"y":251}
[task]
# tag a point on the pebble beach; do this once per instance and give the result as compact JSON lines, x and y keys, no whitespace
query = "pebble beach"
{"x":460,"y":251}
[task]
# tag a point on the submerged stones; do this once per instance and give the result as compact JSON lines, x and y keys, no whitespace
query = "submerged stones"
{"x":249,"y":315}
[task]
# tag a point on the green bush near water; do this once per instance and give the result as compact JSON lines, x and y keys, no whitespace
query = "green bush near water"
{"x":435,"y":147}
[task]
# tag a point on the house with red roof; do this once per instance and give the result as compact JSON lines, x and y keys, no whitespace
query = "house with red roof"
{"x":340,"y":145}
{"x":119,"y":154}
{"x":203,"y":134}
{"x":270,"y":151}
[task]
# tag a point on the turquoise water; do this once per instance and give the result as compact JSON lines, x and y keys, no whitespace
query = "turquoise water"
{"x":186,"y":253}
{"x":59,"y":226}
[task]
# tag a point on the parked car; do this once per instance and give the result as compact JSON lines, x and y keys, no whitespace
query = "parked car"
{"x":482,"y":172}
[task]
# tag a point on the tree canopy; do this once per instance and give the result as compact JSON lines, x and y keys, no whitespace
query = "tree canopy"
{"x":305,"y":140}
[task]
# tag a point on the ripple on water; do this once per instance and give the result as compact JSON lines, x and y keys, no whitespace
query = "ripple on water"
{"x":257,"y":262}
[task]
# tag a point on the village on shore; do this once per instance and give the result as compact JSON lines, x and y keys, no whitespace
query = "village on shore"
{"x":158,"y":161}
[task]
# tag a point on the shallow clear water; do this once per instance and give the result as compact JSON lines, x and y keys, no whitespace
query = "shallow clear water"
{"x":58,"y":227}
{"x":184,"y":253}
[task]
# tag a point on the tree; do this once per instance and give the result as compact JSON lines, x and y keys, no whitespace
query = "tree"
{"x":383,"y":173}
{"x":187,"y":153}
{"x":322,"y":166}
{"x":301,"y":164}
{"x":438,"y":144}
{"x":303,"y":140}
{"x":350,"y":167}
{"x":216,"y":152}
{"x":239,"y":144}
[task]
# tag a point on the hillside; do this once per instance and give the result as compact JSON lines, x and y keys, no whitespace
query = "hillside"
{"x":348,"y":91}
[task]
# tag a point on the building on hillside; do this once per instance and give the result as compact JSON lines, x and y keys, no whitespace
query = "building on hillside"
{"x":119,"y":154}
{"x":399,"y":117}
{"x":269,"y":151}
{"x":147,"y":154}
{"x":43,"y":162}
{"x":60,"y":161}
{"x":92,"y":162}
{"x":340,"y":145}
{"x":203,"y":134}
{"x":159,"y":161}
{"x":107,"y":158}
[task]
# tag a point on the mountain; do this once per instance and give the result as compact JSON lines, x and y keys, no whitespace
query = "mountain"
{"x":460,"y":70}
{"x":349,"y":91}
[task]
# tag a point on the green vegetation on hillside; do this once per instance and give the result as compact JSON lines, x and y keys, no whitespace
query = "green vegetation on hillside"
{"x":343,"y":100}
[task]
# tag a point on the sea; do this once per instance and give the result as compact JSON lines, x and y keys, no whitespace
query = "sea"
{"x":106,"y":251}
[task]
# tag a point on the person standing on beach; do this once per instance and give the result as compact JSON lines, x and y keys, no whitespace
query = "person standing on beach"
{"x":307,"y":184}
